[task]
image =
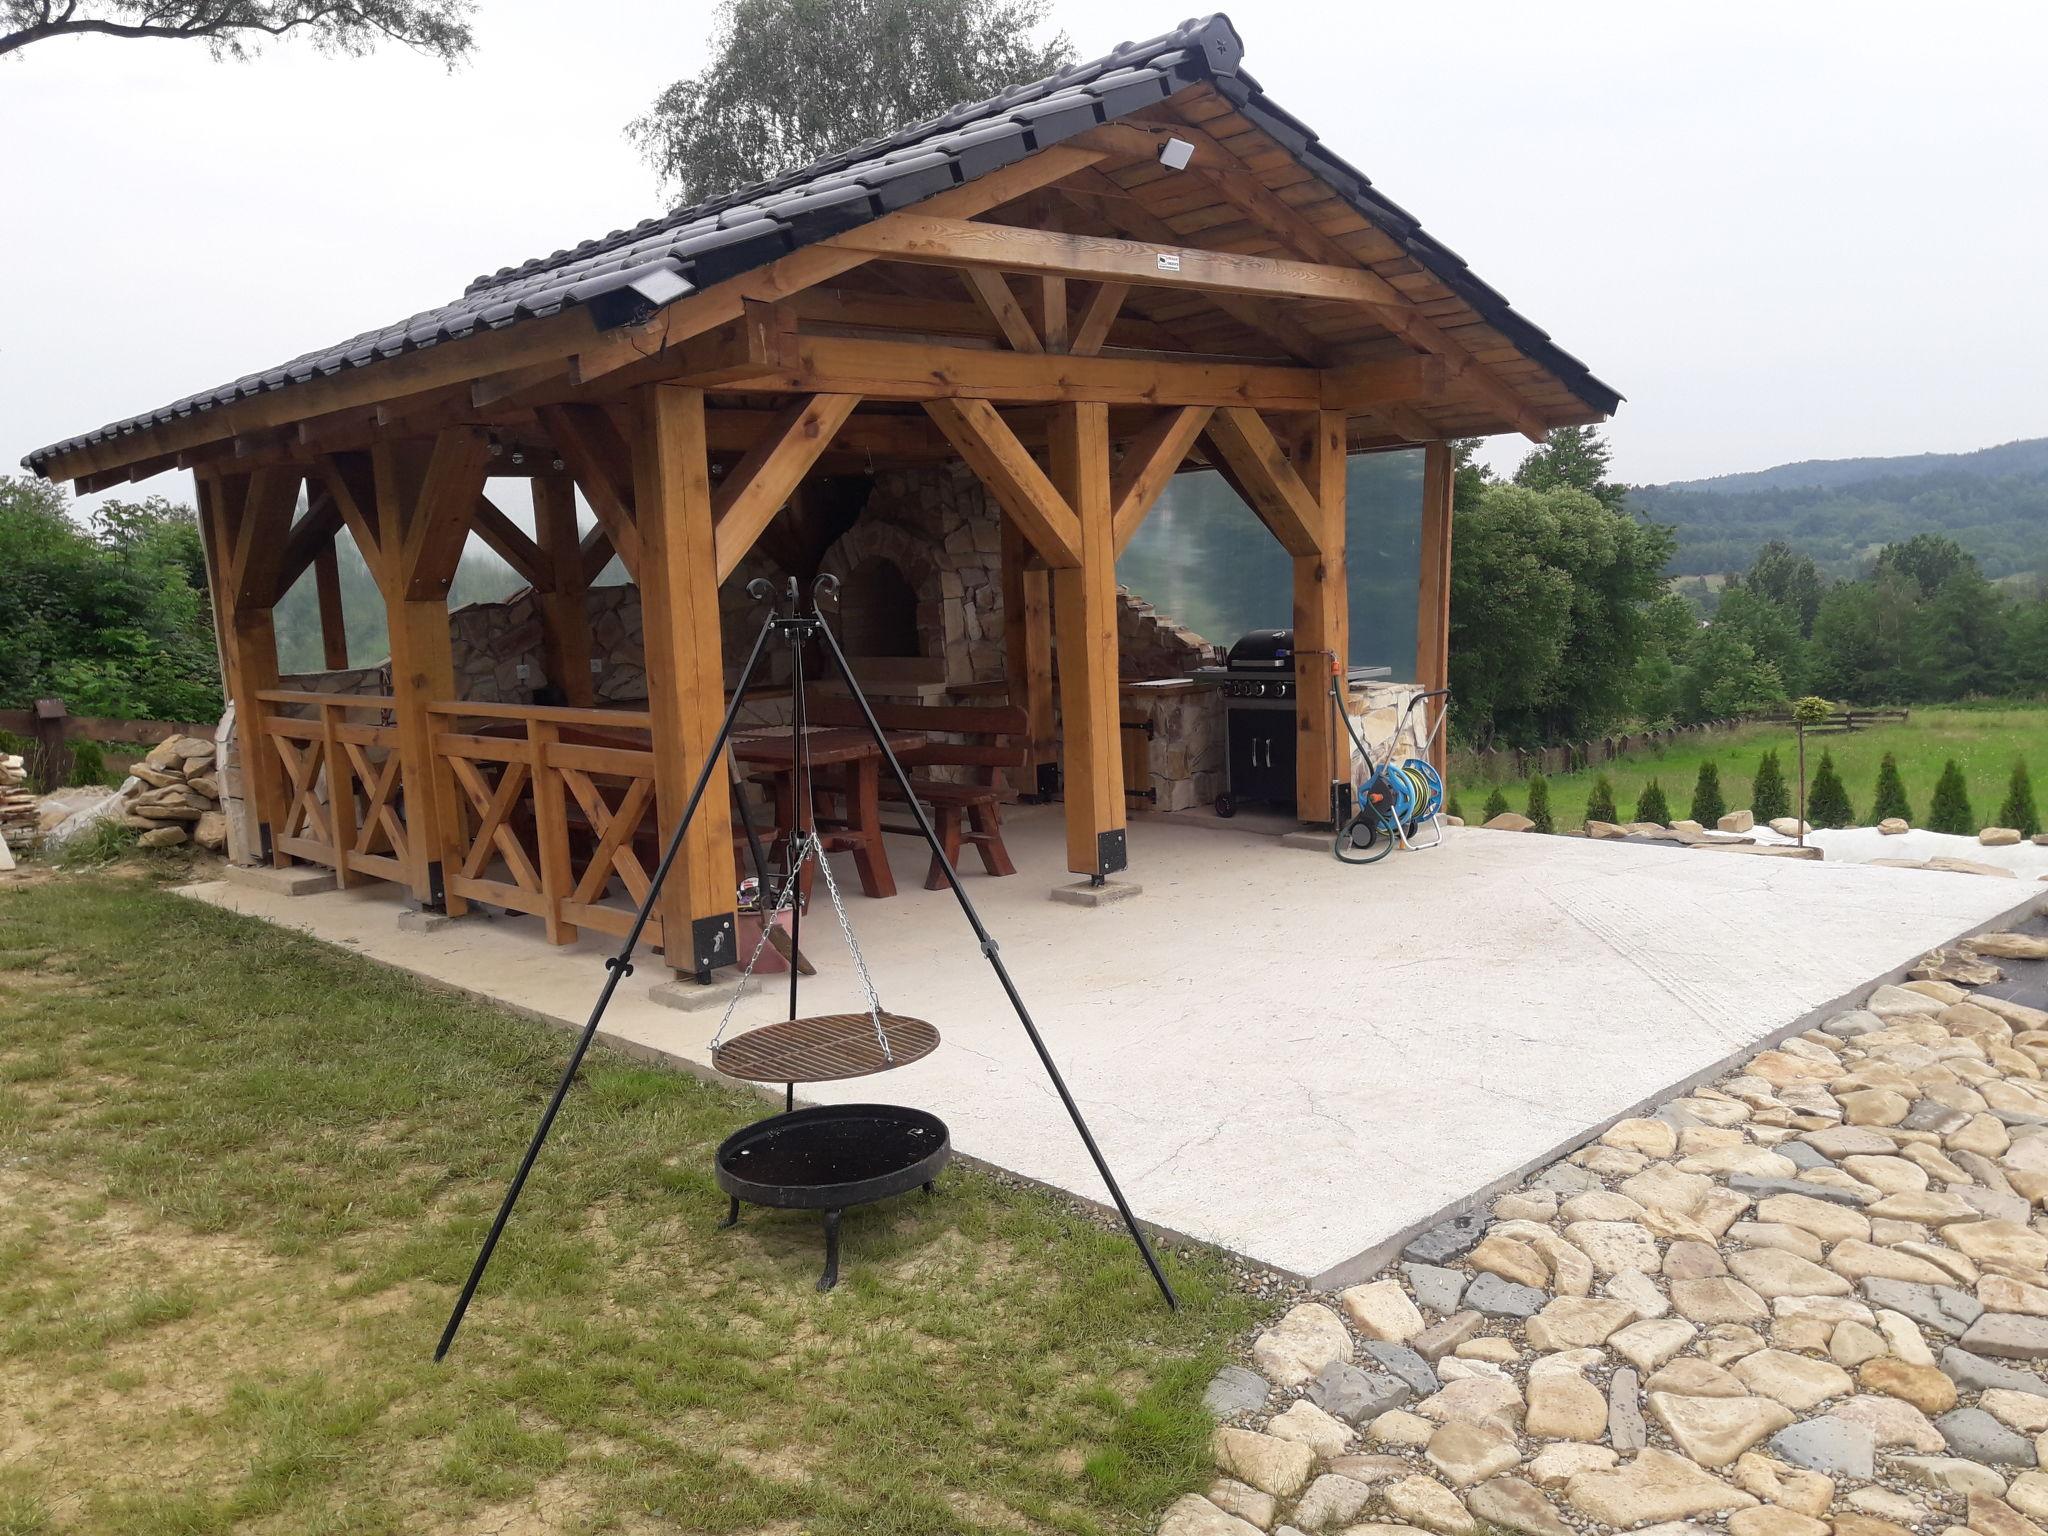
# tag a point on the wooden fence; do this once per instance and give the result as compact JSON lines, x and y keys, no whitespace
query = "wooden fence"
{"x":51,"y":729}
{"x":1495,"y":764}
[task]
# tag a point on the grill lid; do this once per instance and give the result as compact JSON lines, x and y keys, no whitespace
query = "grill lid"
{"x":1263,"y":650}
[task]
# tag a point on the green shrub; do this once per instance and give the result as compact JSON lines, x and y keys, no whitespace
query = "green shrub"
{"x":1600,"y":804}
{"x":1539,"y":804}
{"x":1496,"y":804}
{"x":1768,"y":797}
{"x":13,"y":745}
{"x":1951,"y":811}
{"x":88,"y":764}
{"x":1652,"y":806}
{"x":2018,"y":810}
{"x":1707,"y":805}
{"x":1827,"y":803}
{"x":1891,"y":793}
{"x":1451,"y":807}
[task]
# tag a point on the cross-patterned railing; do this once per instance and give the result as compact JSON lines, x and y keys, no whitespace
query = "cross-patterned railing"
{"x":344,"y":797}
{"x":546,"y":807}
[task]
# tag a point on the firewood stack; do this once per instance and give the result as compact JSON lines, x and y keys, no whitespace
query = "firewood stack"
{"x":17,"y":804}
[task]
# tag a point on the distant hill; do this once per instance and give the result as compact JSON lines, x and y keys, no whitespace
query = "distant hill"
{"x":1994,"y":502}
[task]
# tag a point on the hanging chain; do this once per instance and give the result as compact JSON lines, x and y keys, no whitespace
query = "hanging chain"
{"x":800,"y":853}
{"x":867,"y":984}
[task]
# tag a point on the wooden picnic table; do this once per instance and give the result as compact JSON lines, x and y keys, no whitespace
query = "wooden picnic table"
{"x":846,"y":764}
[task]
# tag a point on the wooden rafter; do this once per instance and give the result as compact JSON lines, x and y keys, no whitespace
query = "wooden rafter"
{"x":1150,"y":460}
{"x":1268,"y":479}
{"x":597,"y":457}
{"x":1097,"y":316}
{"x":440,"y":519}
{"x":1012,"y":476}
{"x":993,"y":292}
{"x":313,"y":532}
{"x":512,"y":545}
{"x":761,"y":484}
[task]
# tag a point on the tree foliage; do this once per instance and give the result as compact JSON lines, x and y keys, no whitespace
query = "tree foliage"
{"x":1652,"y":806}
{"x":1890,"y":802}
{"x":234,"y":29}
{"x":1496,"y":804}
{"x":1708,"y":805}
{"x":1600,"y":803}
{"x":1827,"y":804}
{"x":2018,"y":810}
{"x":1573,"y":457}
{"x":791,"y":81}
{"x":1769,"y":800}
{"x":1782,"y":576}
{"x":1539,"y":804}
{"x":1950,"y":811}
{"x":111,"y":615}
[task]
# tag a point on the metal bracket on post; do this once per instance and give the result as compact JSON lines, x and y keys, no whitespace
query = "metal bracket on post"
{"x":714,"y":941}
{"x":1340,"y":802}
{"x":1110,"y":852}
{"x":1049,"y":784}
{"x":437,"y":890}
{"x":263,"y":841}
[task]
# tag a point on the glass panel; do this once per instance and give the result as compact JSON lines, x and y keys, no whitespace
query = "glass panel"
{"x":1203,"y":559}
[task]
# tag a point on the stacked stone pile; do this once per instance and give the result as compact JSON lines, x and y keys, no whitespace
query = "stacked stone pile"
{"x":17,"y":804}
{"x":1810,"y":1300}
{"x":175,"y":796}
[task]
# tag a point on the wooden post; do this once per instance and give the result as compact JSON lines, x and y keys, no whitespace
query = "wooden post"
{"x":1027,"y":646}
{"x":50,"y":764}
{"x":333,"y":623}
{"x":1084,"y":611}
{"x":678,"y":574}
{"x":564,"y":618}
{"x":1433,"y":589}
{"x":249,"y":638}
{"x":1322,"y":627}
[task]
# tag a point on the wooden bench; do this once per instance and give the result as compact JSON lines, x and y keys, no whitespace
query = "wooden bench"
{"x":995,"y":741}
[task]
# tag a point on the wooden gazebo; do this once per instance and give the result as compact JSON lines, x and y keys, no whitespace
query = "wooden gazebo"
{"x":1077,"y":288}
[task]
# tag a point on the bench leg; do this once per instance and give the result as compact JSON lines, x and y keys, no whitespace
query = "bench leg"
{"x":987,"y":821}
{"x":945,"y":822}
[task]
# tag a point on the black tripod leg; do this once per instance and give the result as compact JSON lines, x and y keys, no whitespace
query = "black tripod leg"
{"x":989,"y":948}
{"x":616,"y":970}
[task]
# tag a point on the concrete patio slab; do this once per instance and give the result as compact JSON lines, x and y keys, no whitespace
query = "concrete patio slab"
{"x":1296,"y":1060}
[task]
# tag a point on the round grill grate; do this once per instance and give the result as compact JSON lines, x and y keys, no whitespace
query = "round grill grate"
{"x":824,"y":1048}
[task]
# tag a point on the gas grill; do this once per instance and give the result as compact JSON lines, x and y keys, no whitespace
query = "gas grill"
{"x":1259,"y":696}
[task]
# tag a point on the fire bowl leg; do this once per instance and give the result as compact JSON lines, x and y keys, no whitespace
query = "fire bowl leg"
{"x":732,"y":1216}
{"x":830,"y":1277}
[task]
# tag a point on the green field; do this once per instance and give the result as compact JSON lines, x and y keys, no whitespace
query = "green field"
{"x":1984,"y":742}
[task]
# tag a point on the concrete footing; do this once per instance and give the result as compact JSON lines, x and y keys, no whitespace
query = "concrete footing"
{"x":690,"y":996}
{"x":419,"y":920}
{"x":1083,"y":894}
{"x":288,"y":880}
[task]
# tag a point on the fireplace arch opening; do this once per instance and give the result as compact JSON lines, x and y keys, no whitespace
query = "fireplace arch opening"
{"x":878,"y":610}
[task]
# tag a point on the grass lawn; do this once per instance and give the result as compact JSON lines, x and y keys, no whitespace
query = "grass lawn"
{"x":1984,"y":742}
{"x":242,"y":1174}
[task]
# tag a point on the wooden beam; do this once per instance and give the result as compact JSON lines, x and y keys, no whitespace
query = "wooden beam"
{"x":313,"y":532}
{"x":597,"y":456}
{"x":596,"y":552}
{"x":1084,"y":610}
{"x":1097,"y":316}
{"x":685,"y":673}
{"x":1150,"y":461}
{"x":1383,"y":382}
{"x":1322,"y":628}
{"x":262,"y":532}
{"x":1433,"y":595}
{"x":1012,"y":476}
{"x":1052,"y":313}
{"x":565,"y":621}
{"x":333,"y":619}
{"x":993,"y":291}
{"x":1268,"y":479}
{"x":761,"y":484}
{"x":439,"y":521}
{"x":900,"y":371}
{"x":498,"y":531}
{"x":350,"y":480}
{"x":249,"y":641}
{"x":1027,"y":642}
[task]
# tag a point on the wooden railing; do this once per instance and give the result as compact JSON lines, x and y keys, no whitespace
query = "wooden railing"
{"x":545,"y":808}
{"x":344,"y":803}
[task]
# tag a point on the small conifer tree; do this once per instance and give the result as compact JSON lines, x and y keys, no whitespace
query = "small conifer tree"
{"x":1827,"y":805}
{"x":1652,"y":806}
{"x":2018,"y":810}
{"x":1768,"y":797}
{"x":1600,"y":804}
{"x":1496,"y":803}
{"x":1451,"y":806}
{"x":1539,"y":804}
{"x":1891,"y":793}
{"x":1707,"y":805}
{"x":1950,"y":811}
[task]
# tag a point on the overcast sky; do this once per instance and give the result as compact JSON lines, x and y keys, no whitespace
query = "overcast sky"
{"x":1783,"y":231}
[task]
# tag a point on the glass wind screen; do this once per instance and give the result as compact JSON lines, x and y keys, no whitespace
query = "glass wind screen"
{"x":1203,"y":559}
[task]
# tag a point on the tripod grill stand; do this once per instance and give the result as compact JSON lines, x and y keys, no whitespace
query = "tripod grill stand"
{"x":796,"y":626}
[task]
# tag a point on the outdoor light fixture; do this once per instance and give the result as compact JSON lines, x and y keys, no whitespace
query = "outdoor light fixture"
{"x":1175,"y":154}
{"x":643,"y":291}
